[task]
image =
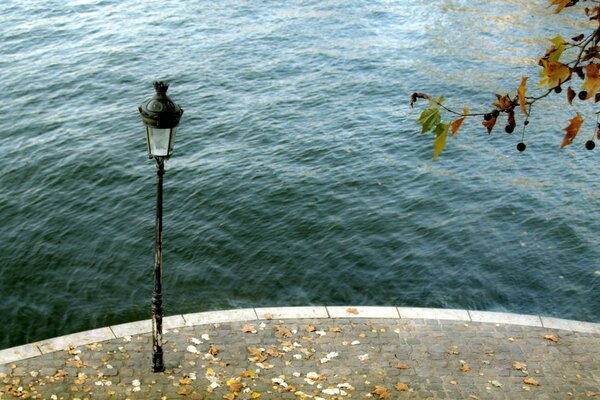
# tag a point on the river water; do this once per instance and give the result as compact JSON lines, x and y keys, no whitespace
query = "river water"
{"x":300,"y":175}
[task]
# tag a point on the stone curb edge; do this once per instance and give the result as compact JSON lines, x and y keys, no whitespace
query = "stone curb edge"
{"x":30,"y":350}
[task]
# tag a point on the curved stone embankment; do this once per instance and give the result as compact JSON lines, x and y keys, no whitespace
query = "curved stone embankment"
{"x":317,"y":352}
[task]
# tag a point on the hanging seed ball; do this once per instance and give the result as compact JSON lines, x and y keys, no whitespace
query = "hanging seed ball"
{"x":590,"y":144}
{"x":509,"y":128}
{"x":582,"y":95}
{"x":521,"y":147}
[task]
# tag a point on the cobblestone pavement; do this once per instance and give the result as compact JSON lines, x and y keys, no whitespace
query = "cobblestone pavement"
{"x":322,"y":359}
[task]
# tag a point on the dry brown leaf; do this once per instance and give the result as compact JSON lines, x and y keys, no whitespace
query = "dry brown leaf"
{"x":274,"y":353}
{"x":464,"y":366}
{"x":311,"y":328}
{"x":257,"y":354}
{"x":268,"y":316}
{"x":519,"y":366}
{"x":213,"y":351}
{"x":236,"y":387}
{"x":401,"y":387}
{"x":551,"y":338}
{"x":531,"y":381}
{"x":353,"y":311}
{"x":489,"y":124}
{"x":183,"y":392}
{"x":283,"y":331}
{"x":382,"y":392}
{"x":401,"y":366}
{"x":248,"y":329}
{"x":590,"y":394}
{"x":335,"y":329}
{"x":571,"y":131}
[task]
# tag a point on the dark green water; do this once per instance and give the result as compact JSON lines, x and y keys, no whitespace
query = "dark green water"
{"x":299,"y":175}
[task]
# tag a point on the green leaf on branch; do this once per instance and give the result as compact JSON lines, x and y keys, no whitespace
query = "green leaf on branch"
{"x":441,"y":131}
{"x":559,"y":45}
{"x":429,"y":119}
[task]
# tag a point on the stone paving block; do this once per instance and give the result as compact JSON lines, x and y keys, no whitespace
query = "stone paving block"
{"x":76,"y":339}
{"x":363,"y":312}
{"x":434,"y":313}
{"x":577,"y":326}
{"x":213,"y":317}
{"x":505,"y":318}
{"x":291,"y":312}
{"x":18,"y":353}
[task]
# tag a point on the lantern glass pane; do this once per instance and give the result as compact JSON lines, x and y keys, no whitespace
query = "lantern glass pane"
{"x":172,"y":140}
{"x":158,"y":141}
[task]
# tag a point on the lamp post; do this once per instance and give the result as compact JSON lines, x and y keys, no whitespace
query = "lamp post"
{"x":161,"y":117}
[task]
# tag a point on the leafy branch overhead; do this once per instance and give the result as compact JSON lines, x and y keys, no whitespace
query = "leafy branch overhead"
{"x":572,"y":63}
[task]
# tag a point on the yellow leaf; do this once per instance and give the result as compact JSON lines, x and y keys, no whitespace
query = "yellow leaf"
{"x":455,"y":126}
{"x":553,"y":338}
{"x":401,"y":387}
{"x":560,"y":4}
{"x":592,"y":81}
{"x":521,"y":91}
{"x":571,"y":132}
{"x":440,"y":141}
{"x":554,"y":73}
{"x":255,"y":395}
{"x":382,"y":392}
{"x":531,"y":381}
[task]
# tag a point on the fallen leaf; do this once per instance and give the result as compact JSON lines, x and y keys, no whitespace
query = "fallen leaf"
{"x":552,"y":338}
{"x":255,"y":395}
{"x":382,"y":392}
{"x":496,"y":383}
{"x":401,"y":366}
{"x":335,"y":329}
{"x":213,"y":351}
{"x":268,"y":316}
{"x":283,"y":331}
{"x":401,"y":387}
{"x":235,"y":386}
{"x":591,"y":394}
{"x":183,"y":392}
{"x":519,"y":366}
{"x":353,"y":311}
{"x":311,"y":328}
{"x":531,"y":381}
{"x":248,"y":329}
{"x":464,"y":366}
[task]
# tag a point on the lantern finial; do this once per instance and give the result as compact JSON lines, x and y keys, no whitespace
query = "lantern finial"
{"x":161,"y":87}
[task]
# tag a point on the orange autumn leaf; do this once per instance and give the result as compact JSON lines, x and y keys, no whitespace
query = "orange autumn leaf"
{"x":382,"y":392}
{"x":455,"y":126}
{"x":352,"y":311}
{"x":560,"y":4}
{"x":593,"y":80}
{"x":248,"y":329}
{"x":401,"y":366}
{"x":489,"y":124}
{"x":551,"y":338}
{"x":503,"y":103}
{"x":571,"y":132}
{"x":522,"y":90}
{"x":531,"y":381}
{"x":401,"y":387}
{"x":283,"y":331}
{"x":311,"y":328}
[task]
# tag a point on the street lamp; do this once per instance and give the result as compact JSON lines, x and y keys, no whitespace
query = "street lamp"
{"x":161,"y":117}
